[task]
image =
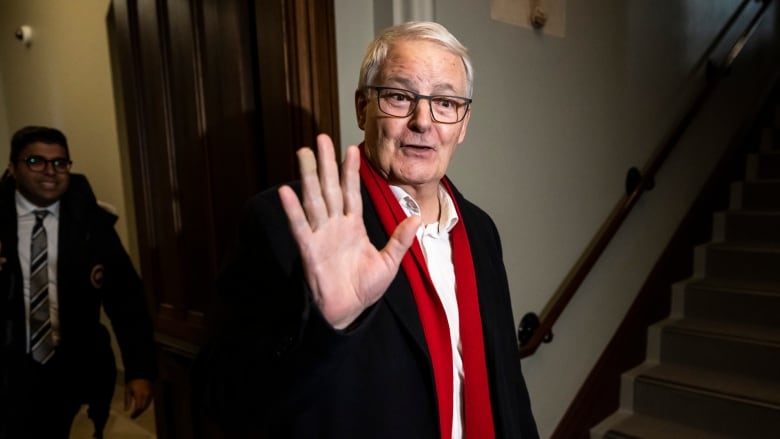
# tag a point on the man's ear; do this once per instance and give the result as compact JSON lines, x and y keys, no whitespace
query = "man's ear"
{"x":361,"y":104}
{"x":464,"y":126}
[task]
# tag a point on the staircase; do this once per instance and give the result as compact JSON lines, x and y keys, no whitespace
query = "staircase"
{"x":713,"y":367}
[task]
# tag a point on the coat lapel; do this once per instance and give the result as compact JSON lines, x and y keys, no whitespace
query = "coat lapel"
{"x":399,"y":297}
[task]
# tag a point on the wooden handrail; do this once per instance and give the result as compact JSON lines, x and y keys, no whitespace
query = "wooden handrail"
{"x":534,"y":330}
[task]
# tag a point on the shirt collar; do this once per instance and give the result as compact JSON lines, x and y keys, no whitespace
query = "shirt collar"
{"x":449,"y":215}
{"x":26,"y":207}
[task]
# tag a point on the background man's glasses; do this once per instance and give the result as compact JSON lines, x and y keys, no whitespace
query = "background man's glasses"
{"x":38,"y":164}
{"x":398,"y":102}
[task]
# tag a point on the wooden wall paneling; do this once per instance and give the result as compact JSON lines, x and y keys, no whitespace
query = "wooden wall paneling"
{"x":171,"y":162}
{"x":138,"y":125}
{"x":314,"y":75}
{"x":193,"y":229}
{"x":213,"y":99}
{"x":236,"y":169}
{"x":298,"y":95}
{"x":172,"y":129}
{"x":276,"y":127}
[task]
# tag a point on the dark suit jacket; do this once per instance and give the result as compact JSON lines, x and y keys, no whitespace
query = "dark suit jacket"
{"x":276,"y":366}
{"x":93,"y":270}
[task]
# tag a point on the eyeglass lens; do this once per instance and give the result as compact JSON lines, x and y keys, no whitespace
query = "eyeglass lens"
{"x":402,"y":103}
{"x":38,"y":163}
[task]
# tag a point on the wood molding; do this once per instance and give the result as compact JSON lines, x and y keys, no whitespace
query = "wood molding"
{"x":299,"y":95}
{"x":213,"y":100}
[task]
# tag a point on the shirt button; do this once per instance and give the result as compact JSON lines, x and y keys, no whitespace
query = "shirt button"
{"x":412,"y":206}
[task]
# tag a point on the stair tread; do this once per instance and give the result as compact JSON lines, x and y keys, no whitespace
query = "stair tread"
{"x":718,"y":284}
{"x":753,"y":212}
{"x":736,"y":285}
{"x":752,"y":246}
{"x":648,"y":427}
{"x":750,"y":390}
{"x":763,"y":180}
{"x":754,"y":333}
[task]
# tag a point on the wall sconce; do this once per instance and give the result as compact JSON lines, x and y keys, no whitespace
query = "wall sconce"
{"x":24,"y":34}
{"x":545,"y":17}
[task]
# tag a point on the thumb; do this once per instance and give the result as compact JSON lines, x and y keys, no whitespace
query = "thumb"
{"x":402,"y":239}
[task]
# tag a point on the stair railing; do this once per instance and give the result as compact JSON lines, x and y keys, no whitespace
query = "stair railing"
{"x":533,"y":330}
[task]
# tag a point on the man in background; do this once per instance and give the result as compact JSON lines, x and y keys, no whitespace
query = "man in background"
{"x":60,"y":261}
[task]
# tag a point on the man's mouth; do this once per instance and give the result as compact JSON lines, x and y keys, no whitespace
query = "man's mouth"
{"x":48,"y":184}
{"x":417,"y":147}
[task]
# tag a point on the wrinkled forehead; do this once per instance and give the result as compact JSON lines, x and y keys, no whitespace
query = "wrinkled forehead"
{"x":423,"y":62}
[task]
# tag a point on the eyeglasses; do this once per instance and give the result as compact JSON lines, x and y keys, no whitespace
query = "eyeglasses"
{"x":38,"y":164}
{"x":398,"y":102}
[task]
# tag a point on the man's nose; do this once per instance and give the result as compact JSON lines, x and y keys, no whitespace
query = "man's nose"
{"x":48,"y":168}
{"x":422,"y":116}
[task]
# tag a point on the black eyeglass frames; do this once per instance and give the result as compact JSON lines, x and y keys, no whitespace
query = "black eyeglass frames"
{"x":398,"y":102}
{"x":38,"y":164}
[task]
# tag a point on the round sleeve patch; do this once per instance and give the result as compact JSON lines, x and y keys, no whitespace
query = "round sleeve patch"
{"x":96,"y":277}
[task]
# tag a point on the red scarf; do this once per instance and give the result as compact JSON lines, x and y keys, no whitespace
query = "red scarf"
{"x":478,"y":415}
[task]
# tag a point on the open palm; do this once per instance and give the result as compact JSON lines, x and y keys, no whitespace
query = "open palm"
{"x":343,"y":269}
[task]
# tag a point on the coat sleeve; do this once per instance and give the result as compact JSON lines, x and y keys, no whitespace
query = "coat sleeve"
{"x":270,"y":350}
{"x":125,"y":304}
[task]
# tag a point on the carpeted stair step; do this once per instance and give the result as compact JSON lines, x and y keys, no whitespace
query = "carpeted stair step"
{"x":757,"y":263}
{"x":742,"y":226}
{"x":770,"y":134}
{"x":707,"y":299}
{"x":636,"y":426}
{"x":736,"y":349}
{"x":720,"y":403}
{"x":770,"y":139}
{"x":756,"y":195}
{"x":765,"y":165}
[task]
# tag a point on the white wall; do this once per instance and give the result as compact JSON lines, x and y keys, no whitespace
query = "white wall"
{"x":556,"y":124}
{"x":354,"y":29}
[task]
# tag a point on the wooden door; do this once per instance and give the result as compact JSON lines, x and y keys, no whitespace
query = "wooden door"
{"x":213,"y":98}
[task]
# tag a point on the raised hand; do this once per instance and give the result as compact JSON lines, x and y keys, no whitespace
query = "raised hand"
{"x":138,"y":396}
{"x":344,"y":271}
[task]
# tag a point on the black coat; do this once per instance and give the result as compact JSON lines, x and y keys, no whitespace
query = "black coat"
{"x":276,"y":366}
{"x":93,"y":270}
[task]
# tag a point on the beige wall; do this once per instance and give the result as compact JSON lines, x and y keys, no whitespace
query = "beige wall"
{"x":63,"y":79}
{"x":4,"y":130}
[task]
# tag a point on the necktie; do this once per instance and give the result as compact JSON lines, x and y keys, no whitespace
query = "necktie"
{"x":41,"y":341}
